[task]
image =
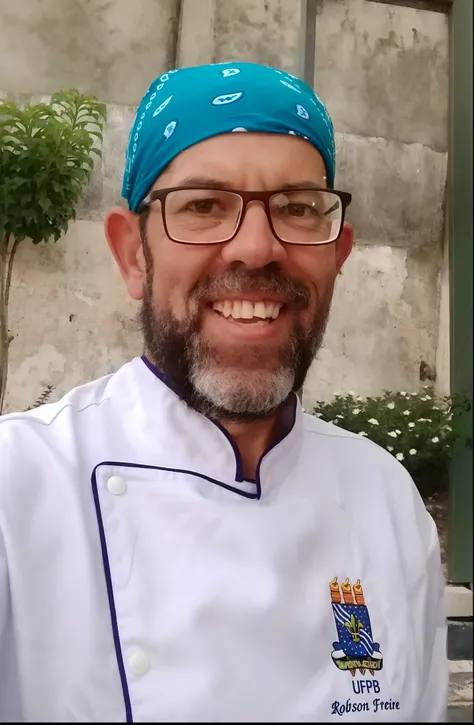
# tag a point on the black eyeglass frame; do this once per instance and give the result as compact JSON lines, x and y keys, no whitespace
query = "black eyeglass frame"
{"x":246,"y":197}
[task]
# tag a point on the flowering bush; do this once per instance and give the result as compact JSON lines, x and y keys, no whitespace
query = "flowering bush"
{"x":419,"y":429}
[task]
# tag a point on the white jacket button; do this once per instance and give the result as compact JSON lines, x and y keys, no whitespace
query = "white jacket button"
{"x":117,"y":485}
{"x":139,"y":662}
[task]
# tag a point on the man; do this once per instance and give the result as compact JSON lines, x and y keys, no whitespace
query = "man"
{"x":179,"y":541}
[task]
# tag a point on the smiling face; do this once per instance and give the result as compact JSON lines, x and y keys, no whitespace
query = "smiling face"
{"x":234,"y":326}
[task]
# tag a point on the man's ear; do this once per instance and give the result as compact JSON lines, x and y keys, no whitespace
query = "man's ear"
{"x":122,"y":230}
{"x":344,"y":245}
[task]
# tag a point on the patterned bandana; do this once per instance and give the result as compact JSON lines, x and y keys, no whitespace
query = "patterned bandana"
{"x":186,"y":106}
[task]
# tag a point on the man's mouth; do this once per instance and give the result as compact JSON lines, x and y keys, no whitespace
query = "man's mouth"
{"x":257,"y":313}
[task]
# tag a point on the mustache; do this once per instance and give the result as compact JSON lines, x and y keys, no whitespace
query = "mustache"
{"x":268,"y":279}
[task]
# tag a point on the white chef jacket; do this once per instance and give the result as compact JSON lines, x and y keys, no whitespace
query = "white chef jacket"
{"x":143,"y":578}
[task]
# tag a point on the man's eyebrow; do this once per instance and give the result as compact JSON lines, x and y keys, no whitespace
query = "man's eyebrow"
{"x":304,"y":184}
{"x":205,"y":182}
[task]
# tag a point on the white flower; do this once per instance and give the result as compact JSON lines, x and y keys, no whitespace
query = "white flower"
{"x":362,"y":433}
{"x":398,"y":431}
{"x":339,"y":417}
{"x":402,"y":392}
{"x":351,"y":393}
{"x":435,"y":439}
{"x":390,"y":448}
{"x":373,"y":421}
{"x":359,"y":399}
{"x":336,"y":395}
{"x":448,"y":427}
{"x":318,"y":415}
{"x":435,"y":407}
{"x":392,"y":434}
{"x":427,"y":397}
{"x":406,"y":412}
{"x":356,"y":411}
{"x":399,"y":456}
{"x":391,"y":406}
{"x":412,"y":451}
{"x":411,"y":425}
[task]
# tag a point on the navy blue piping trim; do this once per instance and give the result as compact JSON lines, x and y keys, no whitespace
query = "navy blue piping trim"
{"x":239,"y":468}
{"x":105,"y":557}
{"x":275,"y":443}
{"x":239,"y":477}
{"x":110,"y":596}
{"x":126,"y":464}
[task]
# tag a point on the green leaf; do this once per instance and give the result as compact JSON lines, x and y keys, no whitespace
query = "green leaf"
{"x":46,"y":161}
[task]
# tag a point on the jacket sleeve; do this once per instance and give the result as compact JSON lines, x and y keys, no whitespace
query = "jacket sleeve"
{"x":10,"y":709}
{"x":4,"y":593}
{"x":433,"y":705}
{"x":10,"y":701}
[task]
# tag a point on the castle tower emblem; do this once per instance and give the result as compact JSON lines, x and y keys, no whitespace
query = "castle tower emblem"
{"x":355,"y":648}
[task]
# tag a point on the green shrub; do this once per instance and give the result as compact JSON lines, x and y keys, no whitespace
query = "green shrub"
{"x":46,"y":161}
{"x":419,"y":429}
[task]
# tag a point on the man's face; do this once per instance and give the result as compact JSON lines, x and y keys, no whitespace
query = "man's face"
{"x":196,"y":299}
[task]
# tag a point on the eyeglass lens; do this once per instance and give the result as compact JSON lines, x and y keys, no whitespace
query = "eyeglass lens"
{"x":210,"y":216}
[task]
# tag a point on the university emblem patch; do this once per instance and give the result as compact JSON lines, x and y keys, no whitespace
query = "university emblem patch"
{"x":355,"y":648}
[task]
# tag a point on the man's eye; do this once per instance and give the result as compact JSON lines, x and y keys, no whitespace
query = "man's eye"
{"x":296,"y":209}
{"x":302,"y":210}
{"x":202,"y":206}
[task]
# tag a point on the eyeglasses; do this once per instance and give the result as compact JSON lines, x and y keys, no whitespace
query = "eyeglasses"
{"x":306,"y":216}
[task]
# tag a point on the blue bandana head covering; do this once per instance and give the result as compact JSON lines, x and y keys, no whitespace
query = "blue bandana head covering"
{"x":186,"y":106}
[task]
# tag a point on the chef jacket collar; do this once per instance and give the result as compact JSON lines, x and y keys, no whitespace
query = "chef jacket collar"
{"x":190,"y":441}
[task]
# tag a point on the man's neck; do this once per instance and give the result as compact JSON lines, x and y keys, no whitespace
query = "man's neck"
{"x":253,"y":438}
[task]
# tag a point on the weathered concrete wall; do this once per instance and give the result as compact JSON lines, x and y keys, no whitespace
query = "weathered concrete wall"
{"x":70,"y":315}
{"x":215,"y":31}
{"x":112,"y":49}
{"x":383,"y":72}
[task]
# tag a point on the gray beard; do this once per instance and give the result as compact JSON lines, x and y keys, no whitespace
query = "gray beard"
{"x":241,"y":388}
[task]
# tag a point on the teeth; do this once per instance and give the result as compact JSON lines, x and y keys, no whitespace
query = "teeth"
{"x":237,"y":310}
{"x":260,"y":310}
{"x":228,"y":306}
{"x":246,"y":310}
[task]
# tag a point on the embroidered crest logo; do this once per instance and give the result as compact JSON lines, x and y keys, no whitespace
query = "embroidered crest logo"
{"x":356,"y":649}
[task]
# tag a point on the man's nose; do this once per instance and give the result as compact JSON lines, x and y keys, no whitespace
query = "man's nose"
{"x":255,"y":245}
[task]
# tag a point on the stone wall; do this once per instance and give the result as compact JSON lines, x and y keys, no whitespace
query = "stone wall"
{"x":383,"y":72}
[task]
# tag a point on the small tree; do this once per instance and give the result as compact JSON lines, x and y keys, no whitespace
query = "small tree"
{"x":45,"y":163}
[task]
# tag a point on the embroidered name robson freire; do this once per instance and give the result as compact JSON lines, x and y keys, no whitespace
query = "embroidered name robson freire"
{"x":356,"y":649}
